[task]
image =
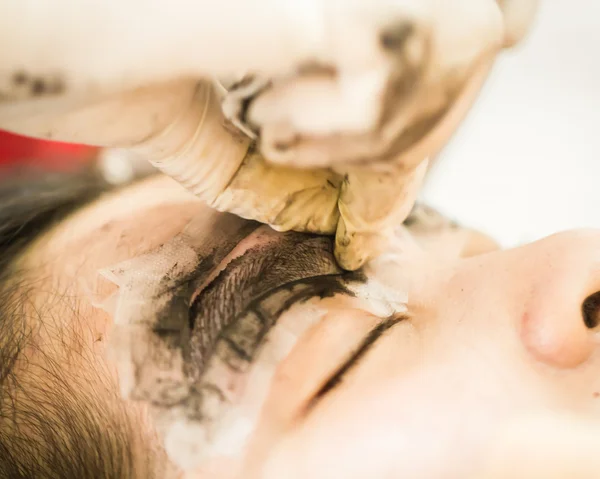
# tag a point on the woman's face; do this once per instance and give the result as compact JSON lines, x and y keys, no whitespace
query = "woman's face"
{"x":489,"y":341}
{"x":486,"y":341}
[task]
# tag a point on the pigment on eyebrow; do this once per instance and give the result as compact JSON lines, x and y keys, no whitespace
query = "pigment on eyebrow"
{"x":259,"y":272}
{"x":192,"y":364}
{"x":150,"y":307}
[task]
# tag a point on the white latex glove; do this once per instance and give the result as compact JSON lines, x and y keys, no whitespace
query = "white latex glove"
{"x":350,"y":82}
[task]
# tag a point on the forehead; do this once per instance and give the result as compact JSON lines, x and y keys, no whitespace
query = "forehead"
{"x":120,"y":225}
{"x":127,"y":205}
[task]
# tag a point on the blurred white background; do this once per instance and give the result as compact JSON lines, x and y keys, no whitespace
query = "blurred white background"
{"x":526,"y":163}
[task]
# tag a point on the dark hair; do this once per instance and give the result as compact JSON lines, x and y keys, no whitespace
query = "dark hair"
{"x":49,"y":427}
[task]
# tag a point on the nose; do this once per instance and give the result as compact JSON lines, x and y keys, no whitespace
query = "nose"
{"x":560,"y":297}
{"x":545,"y":296}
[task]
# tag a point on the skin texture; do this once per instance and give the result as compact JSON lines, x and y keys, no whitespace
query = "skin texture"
{"x":480,"y":351}
{"x":489,"y":340}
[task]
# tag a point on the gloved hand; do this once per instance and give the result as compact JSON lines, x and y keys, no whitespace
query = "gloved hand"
{"x":362,"y":92}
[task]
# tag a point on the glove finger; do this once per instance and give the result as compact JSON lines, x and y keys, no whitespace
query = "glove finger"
{"x":221,"y":168}
{"x":117,"y":120}
{"x":94,"y":47}
{"x":409,"y":125}
{"x":372,"y":206}
{"x":426,"y":72}
{"x":518,"y":17}
{"x":197,"y":149}
{"x":284,"y":198}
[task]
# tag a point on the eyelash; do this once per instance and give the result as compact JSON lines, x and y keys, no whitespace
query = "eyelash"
{"x":370,"y":339}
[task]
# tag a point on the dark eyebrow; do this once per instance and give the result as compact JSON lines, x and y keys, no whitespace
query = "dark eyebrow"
{"x":259,"y":284}
{"x":336,"y":379}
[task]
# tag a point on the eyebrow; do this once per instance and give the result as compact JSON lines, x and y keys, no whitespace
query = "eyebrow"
{"x":260,"y":284}
{"x":354,"y":359}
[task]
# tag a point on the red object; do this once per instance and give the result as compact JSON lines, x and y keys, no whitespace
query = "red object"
{"x":16,"y":150}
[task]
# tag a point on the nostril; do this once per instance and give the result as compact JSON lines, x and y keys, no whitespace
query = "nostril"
{"x":590,"y":309}
{"x":394,"y":37}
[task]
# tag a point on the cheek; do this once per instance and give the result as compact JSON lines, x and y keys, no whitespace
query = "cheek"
{"x":314,"y":358}
{"x":385,"y":430}
{"x":378,"y":413}
{"x":413,"y":408}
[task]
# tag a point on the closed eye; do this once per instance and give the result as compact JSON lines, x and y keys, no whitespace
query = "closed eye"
{"x":336,"y":379}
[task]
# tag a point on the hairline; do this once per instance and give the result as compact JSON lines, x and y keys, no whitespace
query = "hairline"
{"x":30,"y":205}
